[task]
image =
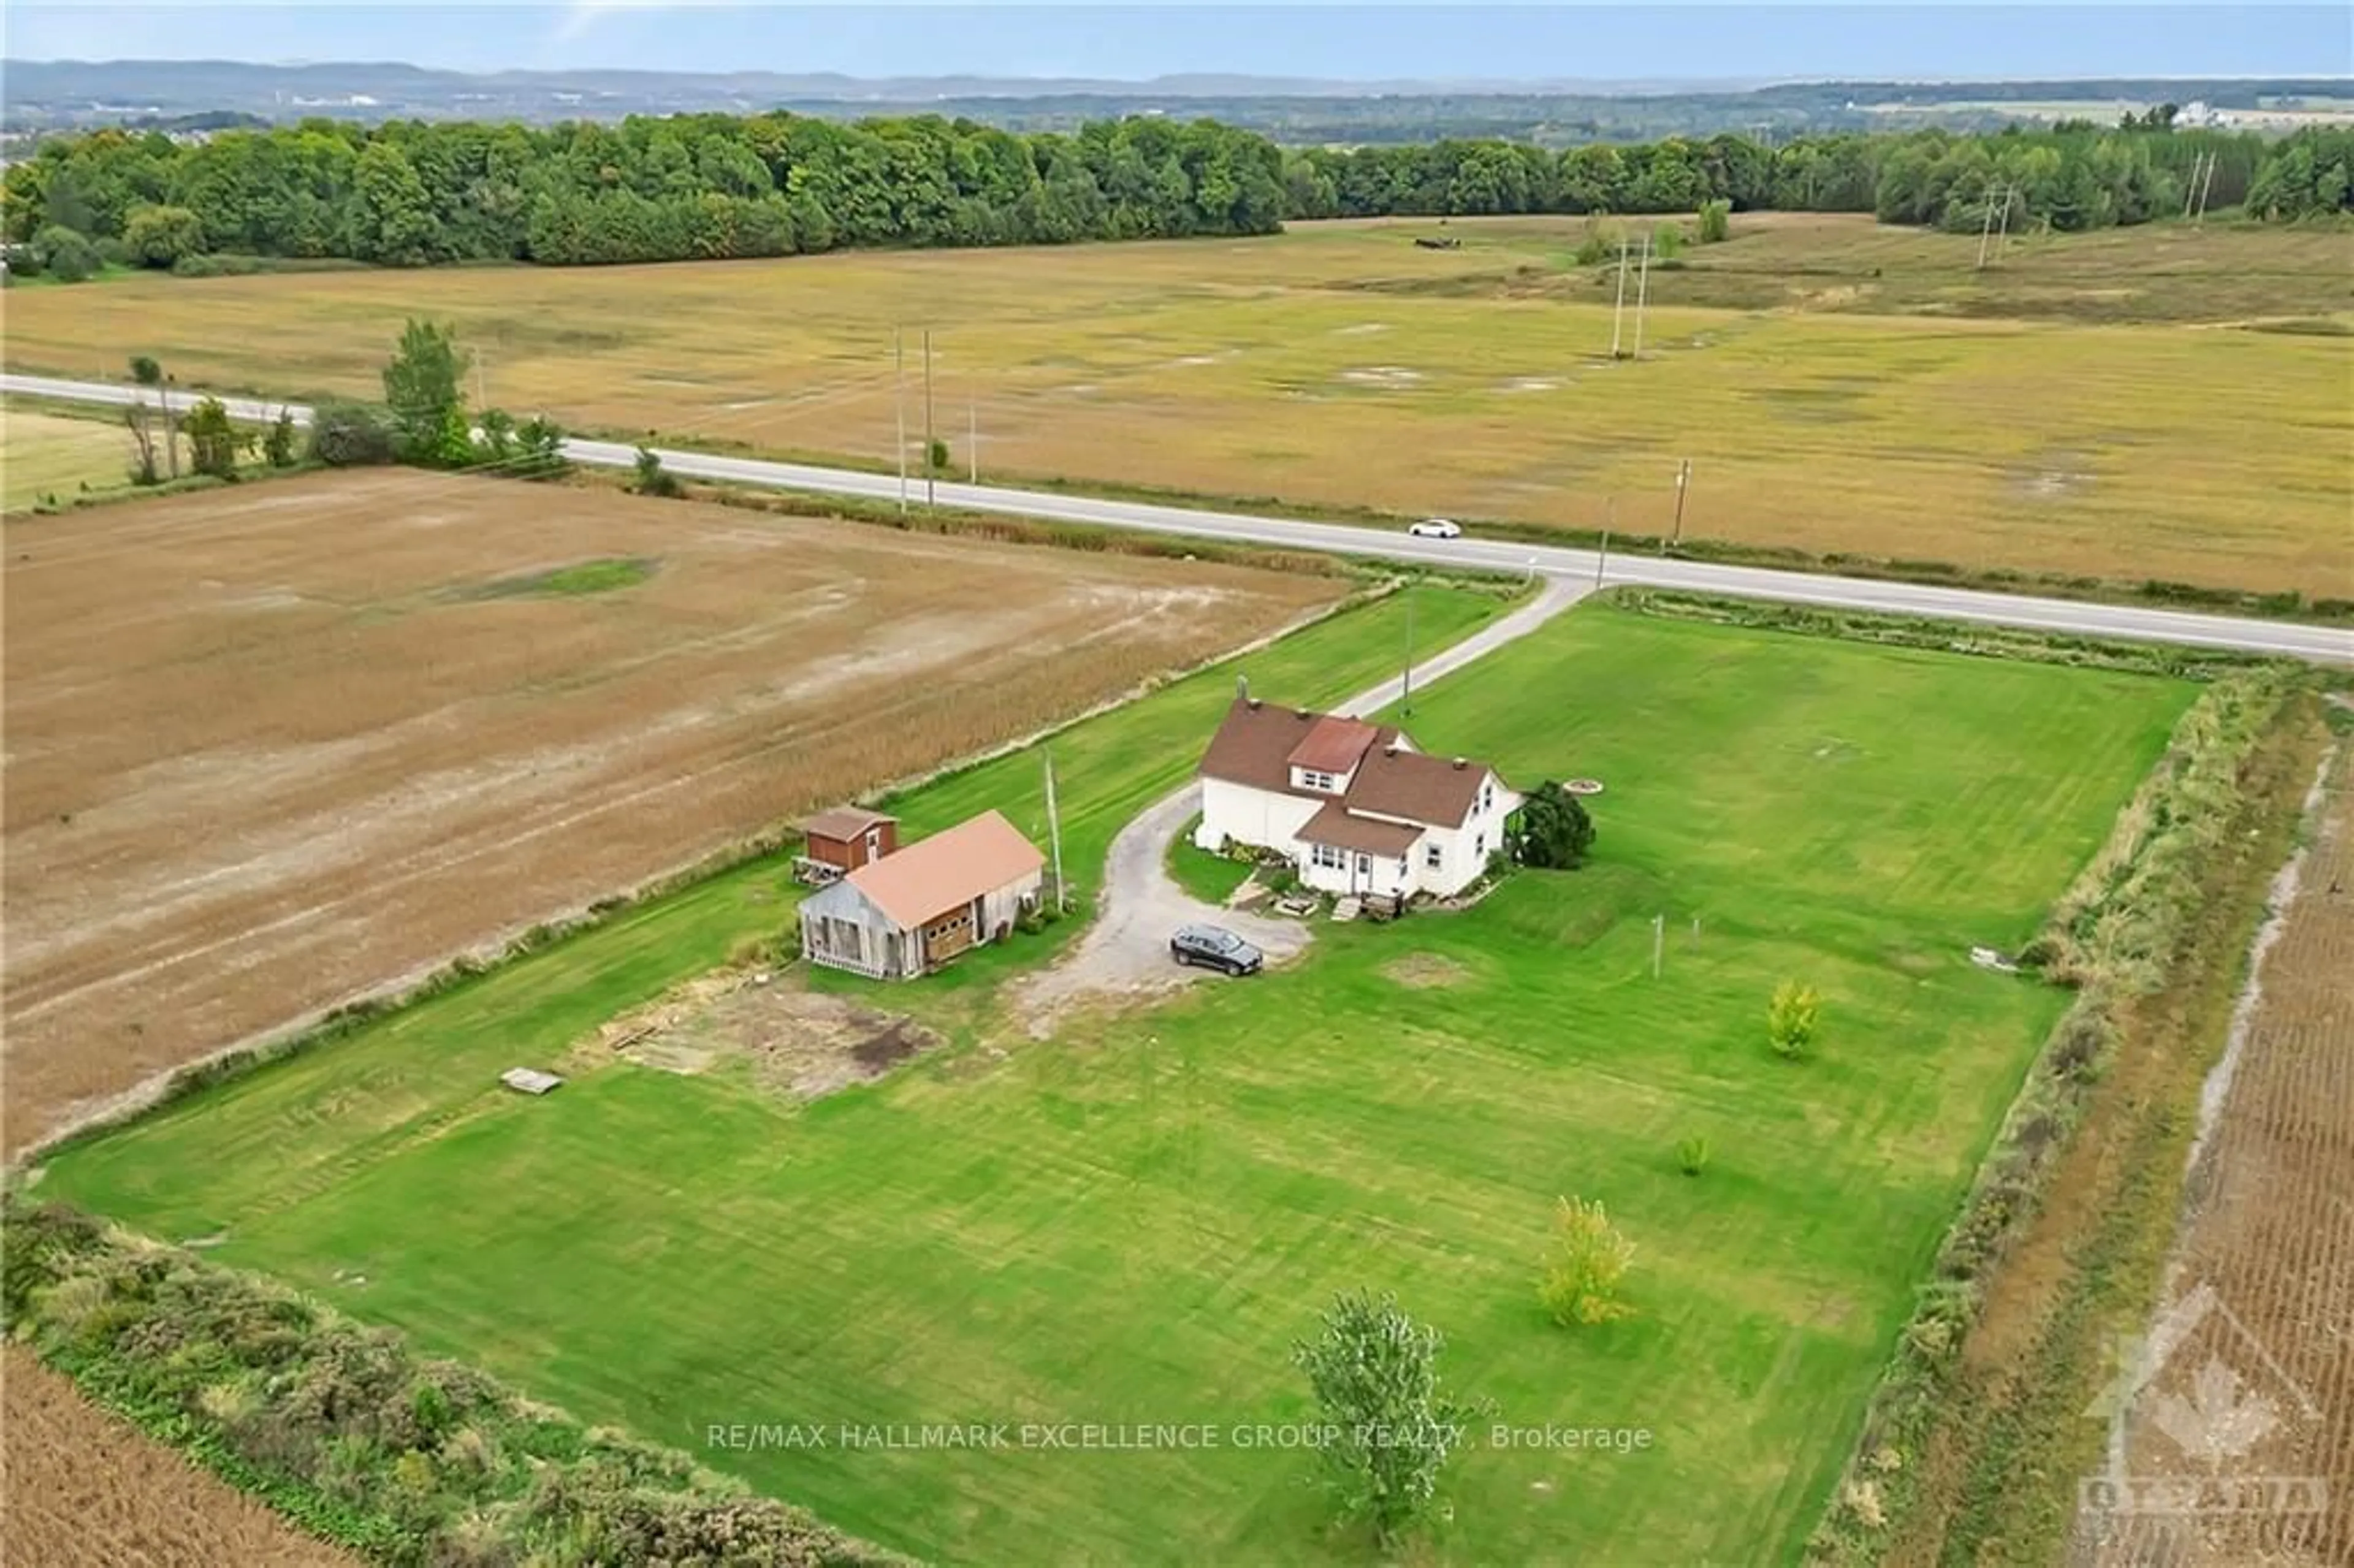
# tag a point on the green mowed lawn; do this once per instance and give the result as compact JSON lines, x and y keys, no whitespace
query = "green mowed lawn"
{"x":1130,"y":1224}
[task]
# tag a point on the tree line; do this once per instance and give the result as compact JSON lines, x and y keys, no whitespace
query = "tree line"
{"x":2072,"y":177}
{"x":694,"y":187}
{"x":711,"y":187}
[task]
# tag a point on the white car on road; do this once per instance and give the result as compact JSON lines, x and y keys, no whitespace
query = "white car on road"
{"x":1436,"y":528}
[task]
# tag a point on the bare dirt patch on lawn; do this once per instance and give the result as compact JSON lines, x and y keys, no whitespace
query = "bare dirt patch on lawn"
{"x":1425,"y":972}
{"x":798,"y":1044}
{"x":270,"y":747}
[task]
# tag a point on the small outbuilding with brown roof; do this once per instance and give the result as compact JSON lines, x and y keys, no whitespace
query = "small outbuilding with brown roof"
{"x":913,"y":910}
{"x":848,"y":837}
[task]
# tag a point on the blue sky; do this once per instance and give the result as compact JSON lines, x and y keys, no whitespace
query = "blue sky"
{"x":1354,"y":42}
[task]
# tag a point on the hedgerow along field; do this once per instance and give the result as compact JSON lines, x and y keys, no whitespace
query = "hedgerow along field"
{"x":2158,"y":403}
{"x":86,"y":1489}
{"x":1131,"y":1221}
{"x":274,"y":747}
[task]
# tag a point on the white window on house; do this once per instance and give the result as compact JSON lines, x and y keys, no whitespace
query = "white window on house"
{"x":1328,"y":857}
{"x":1479,"y":845}
{"x":1488,"y":797}
{"x":1432,"y":857}
{"x":1364,"y":865}
{"x":1311,"y":779}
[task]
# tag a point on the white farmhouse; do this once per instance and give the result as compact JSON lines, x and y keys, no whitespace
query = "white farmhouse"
{"x":1354,"y":806}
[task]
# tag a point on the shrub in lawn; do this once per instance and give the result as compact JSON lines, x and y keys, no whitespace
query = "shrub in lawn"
{"x":1374,"y":1372}
{"x":279,"y":445}
{"x":1715,"y":221}
{"x":1555,"y":830}
{"x":652,"y":477}
{"x":1585,"y":1265}
{"x":1791,"y":1019}
{"x":1691,"y":1155}
{"x":346,"y":434}
{"x":214,"y":444}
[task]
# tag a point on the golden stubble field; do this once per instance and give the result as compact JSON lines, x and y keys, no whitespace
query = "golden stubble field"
{"x":86,"y":1490}
{"x":2150,"y":403}
{"x":274,"y":747}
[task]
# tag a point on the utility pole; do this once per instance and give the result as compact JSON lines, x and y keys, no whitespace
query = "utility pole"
{"x":2205,"y":188}
{"x":1609,"y":517}
{"x":1684,"y":483}
{"x":1986,"y":231}
{"x":1618,"y":308}
{"x":2190,"y":186}
{"x":899,"y":408}
{"x":1406,"y":681}
{"x":1642,"y":296}
{"x":1054,"y":830}
{"x":931,"y":469}
{"x":972,"y":436}
{"x":171,"y":428}
{"x":2002,"y":230}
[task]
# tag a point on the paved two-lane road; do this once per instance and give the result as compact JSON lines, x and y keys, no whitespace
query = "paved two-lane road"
{"x":2323,"y":644}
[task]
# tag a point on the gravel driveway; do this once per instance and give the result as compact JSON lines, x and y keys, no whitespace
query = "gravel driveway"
{"x":1126,"y":951}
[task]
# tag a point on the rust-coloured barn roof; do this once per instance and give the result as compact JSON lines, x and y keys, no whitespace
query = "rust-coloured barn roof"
{"x":954,"y":866}
{"x":844,"y":822}
{"x":1333,"y":744}
{"x":1337,"y":826}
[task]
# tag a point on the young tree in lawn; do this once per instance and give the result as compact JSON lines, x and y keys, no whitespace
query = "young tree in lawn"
{"x":143,"y":470}
{"x":214,"y":444}
{"x":424,"y":390}
{"x":1585,"y":1265}
{"x":1374,"y":1372}
{"x":541,"y":440}
{"x":1555,"y":830}
{"x":280,"y":445}
{"x":652,"y":477}
{"x":1791,"y":1019}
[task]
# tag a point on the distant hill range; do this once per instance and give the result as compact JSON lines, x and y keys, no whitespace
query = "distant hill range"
{"x":175,"y":94}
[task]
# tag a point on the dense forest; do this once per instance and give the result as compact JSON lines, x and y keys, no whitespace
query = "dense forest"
{"x":716,"y":186}
{"x":410,"y":193}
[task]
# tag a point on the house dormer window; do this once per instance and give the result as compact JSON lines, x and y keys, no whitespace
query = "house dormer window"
{"x":1309,"y":779}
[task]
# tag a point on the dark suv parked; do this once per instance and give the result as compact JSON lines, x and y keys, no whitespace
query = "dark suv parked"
{"x":1215,"y":947}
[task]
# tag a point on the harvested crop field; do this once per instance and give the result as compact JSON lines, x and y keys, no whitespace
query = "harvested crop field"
{"x":2252,"y":1378}
{"x":273,"y":747}
{"x":2150,"y":403}
{"x":86,"y":1489}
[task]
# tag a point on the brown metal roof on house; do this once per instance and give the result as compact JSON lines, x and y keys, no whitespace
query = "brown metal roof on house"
{"x":844,"y":822}
{"x":933,"y":875}
{"x":1333,"y":744}
{"x":1254,"y":744}
{"x":1334,"y":825}
{"x":1421,"y":788}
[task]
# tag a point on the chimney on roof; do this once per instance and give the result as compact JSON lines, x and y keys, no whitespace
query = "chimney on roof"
{"x":1391,"y":749}
{"x":1459,"y":764}
{"x":1303,"y":713}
